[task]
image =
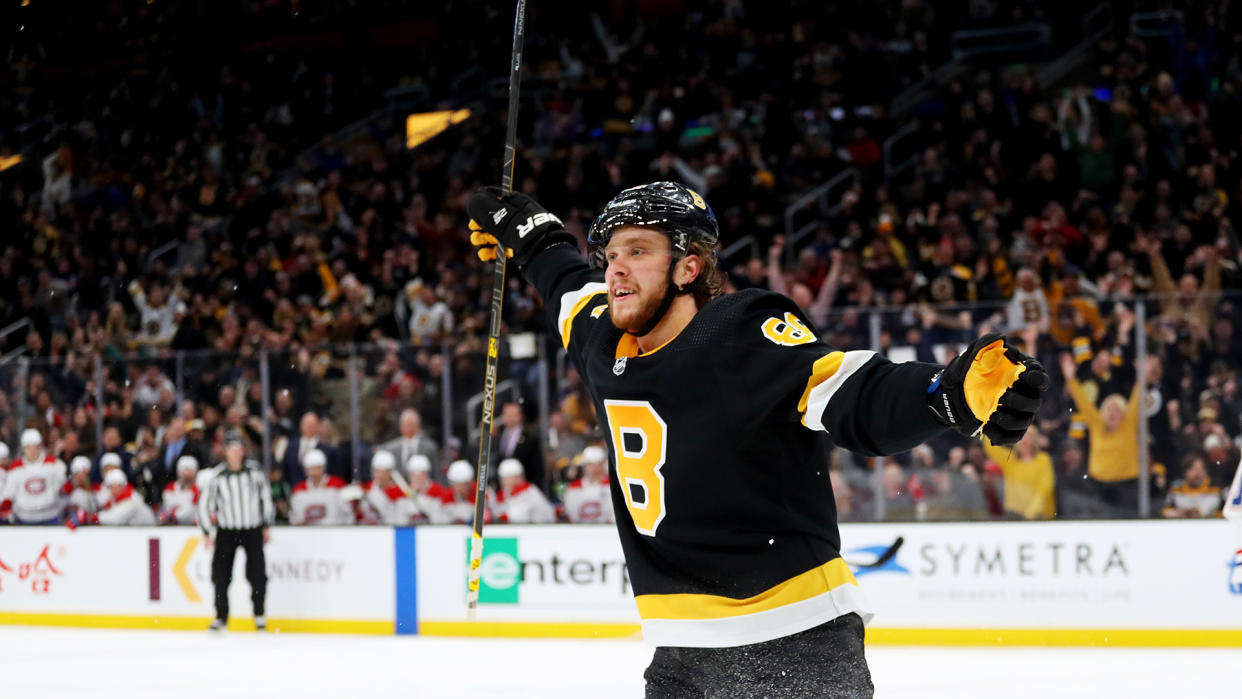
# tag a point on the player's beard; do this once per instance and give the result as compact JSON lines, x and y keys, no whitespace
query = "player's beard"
{"x":637,"y":313}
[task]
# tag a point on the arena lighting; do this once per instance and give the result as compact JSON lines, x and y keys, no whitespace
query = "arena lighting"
{"x":8,"y":161}
{"x":424,"y":126}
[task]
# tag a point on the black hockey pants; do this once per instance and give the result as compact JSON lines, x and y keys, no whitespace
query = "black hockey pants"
{"x":826,"y":661}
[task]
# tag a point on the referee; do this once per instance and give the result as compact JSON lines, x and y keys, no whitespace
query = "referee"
{"x":236,"y":512}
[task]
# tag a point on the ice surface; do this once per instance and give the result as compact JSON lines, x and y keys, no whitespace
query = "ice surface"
{"x":73,"y":663}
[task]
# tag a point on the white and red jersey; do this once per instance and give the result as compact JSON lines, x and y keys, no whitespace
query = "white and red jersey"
{"x":391,"y":504}
{"x":179,"y":503}
{"x":430,"y":504}
{"x":81,"y":498}
{"x":102,"y":496}
{"x":35,"y":490}
{"x":588,"y":502}
{"x":128,"y":508}
{"x":320,"y":504}
{"x":524,"y":504}
{"x":455,"y":510}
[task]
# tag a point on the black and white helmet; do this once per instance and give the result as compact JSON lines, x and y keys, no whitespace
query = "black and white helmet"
{"x":673,"y":208}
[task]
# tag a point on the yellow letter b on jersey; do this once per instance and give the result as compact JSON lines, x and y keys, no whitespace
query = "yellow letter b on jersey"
{"x":788,"y":331}
{"x":639,"y":437}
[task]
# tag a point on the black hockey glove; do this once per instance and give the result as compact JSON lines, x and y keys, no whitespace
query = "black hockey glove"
{"x":990,"y":385}
{"x":513,"y":220}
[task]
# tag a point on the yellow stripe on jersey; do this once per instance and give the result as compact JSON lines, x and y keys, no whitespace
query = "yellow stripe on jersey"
{"x":572,"y":303}
{"x":813,"y":582}
{"x":828,"y":374}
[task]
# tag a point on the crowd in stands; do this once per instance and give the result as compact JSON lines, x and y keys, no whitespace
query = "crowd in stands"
{"x":188,"y":256}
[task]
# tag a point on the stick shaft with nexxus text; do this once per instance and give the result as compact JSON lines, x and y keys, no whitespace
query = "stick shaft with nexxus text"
{"x":493,"y":335}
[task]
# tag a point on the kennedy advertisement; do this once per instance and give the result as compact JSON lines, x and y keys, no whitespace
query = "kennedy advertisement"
{"x":51,"y":574}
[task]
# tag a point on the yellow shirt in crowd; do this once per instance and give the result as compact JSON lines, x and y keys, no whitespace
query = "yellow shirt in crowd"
{"x":1113,"y":455}
{"x":1029,"y":483}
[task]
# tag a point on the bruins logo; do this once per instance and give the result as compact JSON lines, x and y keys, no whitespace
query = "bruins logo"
{"x":698,"y":200}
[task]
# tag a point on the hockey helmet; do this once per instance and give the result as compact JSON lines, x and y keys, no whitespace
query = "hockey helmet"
{"x":418,"y":463}
{"x":509,"y":468}
{"x":31,"y":438}
{"x":80,"y":464}
{"x":460,"y":471}
{"x":314,"y":459}
{"x":673,"y":208}
{"x":383,"y":461}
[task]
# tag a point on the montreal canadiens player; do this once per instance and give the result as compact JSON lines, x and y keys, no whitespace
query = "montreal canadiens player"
{"x":589,"y":499}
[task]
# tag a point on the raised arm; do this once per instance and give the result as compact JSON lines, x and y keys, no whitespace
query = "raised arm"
{"x":1089,"y":414}
{"x":864,"y":402}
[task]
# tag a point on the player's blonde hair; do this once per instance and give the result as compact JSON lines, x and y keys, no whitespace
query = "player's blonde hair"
{"x":707,"y":285}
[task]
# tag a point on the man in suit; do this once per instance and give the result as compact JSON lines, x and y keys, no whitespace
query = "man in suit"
{"x":307,"y":439}
{"x":412,"y":440}
{"x":163,"y":469}
{"x":515,"y":441}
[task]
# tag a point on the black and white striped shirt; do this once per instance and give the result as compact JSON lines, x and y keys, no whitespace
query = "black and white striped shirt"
{"x":237,"y":499}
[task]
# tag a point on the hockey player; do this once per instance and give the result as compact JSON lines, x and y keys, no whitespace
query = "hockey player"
{"x":517,"y":501}
{"x":457,"y":504}
{"x":33,"y":492}
{"x":588,"y":499}
{"x":4,"y":465}
{"x":179,"y":501}
{"x":80,"y":494}
{"x":744,"y":590}
{"x":391,"y":504}
{"x":318,"y":499}
{"x":109,"y":462}
{"x":125,"y":506}
{"x":424,"y":492}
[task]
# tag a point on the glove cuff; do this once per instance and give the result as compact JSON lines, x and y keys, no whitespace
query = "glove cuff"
{"x":558,"y":236}
{"x":949,"y":407}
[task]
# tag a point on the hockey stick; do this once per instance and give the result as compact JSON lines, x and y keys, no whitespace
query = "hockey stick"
{"x":882,"y":559}
{"x":493,"y":333}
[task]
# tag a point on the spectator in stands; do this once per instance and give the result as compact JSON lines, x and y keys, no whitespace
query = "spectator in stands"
{"x":411,"y":440}
{"x":563,"y":443}
{"x":318,"y":499}
{"x":1113,"y":433}
{"x":430,"y":318}
{"x":112,"y":444}
{"x":159,"y":315}
{"x":1193,"y":495}
{"x":515,"y":441}
{"x":1029,"y":480}
{"x":1028,"y":306}
{"x":153,"y":388}
{"x":299,"y":447}
{"x":515,"y":501}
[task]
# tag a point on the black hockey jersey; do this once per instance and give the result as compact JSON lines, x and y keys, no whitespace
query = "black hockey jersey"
{"x":720,"y":441}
